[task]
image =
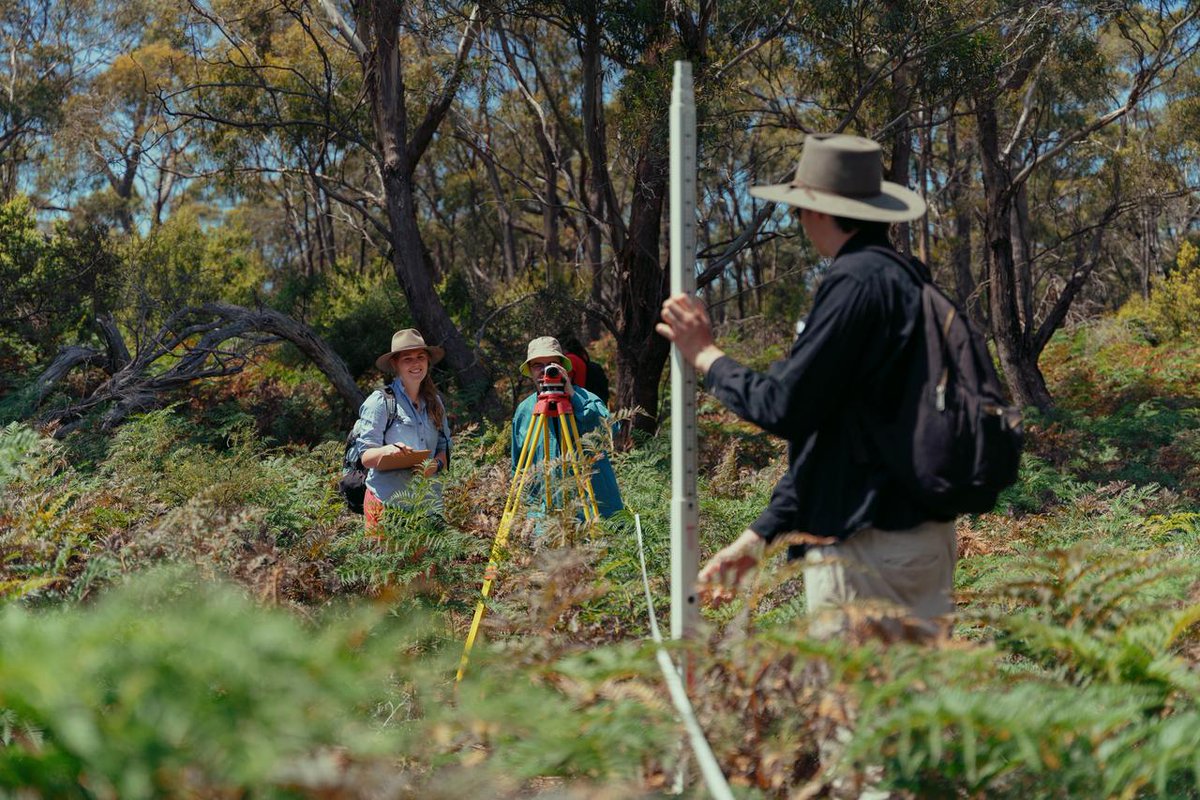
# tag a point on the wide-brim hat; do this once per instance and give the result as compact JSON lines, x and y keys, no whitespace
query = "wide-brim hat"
{"x":542,"y":347}
{"x":843,"y":175}
{"x":408,"y":339}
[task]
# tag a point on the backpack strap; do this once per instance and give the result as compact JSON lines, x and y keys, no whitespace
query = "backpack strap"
{"x":389,"y":401}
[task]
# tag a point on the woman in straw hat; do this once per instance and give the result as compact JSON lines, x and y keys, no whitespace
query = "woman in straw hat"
{"x":419,"y":423}
{"x":545,"y":353}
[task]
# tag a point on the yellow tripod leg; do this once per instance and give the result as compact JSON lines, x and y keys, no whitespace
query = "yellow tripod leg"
{"x":586,"y":492}
{"x":547,"y":471}
{"x":524,"y":462}
{"x":572,"y":457}
{"x":512,"y":502}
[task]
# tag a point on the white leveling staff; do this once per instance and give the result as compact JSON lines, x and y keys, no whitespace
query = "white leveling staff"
{"x":685,"y":559}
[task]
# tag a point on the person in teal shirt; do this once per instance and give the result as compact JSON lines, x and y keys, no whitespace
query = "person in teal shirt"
{"x":590,"y":414}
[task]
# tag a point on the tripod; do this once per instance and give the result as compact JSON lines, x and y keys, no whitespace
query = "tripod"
{"x":552,"y":404}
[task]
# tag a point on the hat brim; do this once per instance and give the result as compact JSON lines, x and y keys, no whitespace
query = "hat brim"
{"x":894,"y":203}
{"x":566,"y":362}
{"x":436,"y":354}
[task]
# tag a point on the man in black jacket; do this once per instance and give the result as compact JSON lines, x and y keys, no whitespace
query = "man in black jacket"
{"x":844,"y":373}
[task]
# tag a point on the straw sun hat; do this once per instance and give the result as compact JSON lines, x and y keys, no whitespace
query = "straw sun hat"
{"x":408,"y":339}
{"x":542,"y":347}
{"x":843,"y":176}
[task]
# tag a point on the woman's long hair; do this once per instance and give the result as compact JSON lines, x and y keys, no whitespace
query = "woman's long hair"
{"x":428,"y":392}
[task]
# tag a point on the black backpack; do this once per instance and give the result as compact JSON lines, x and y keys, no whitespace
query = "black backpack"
{"x":955,"y":442}
{"x":353,"y":484}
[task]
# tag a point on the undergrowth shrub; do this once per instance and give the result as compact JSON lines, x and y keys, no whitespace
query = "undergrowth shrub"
{"x":1172,"y":311}
{"x":286,"y":402}
{"x":347,"y":307}
{"x":1039,"y":485}
{"x":160,"y":493}
{"x":1087,"y":694}
{"x":17,"y":442}
{"x":172,"y":688}
{"x":1072,"y":674}
{"x":414,"y":544}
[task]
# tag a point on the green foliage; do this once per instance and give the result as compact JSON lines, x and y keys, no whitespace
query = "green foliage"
{"x":1128,"y":410}
{"x":1100,"y":712}
{"x":599,"y":722}
{"x":414,"y":544}
{"x":1097,"y":614}
{"x":538,"y":305}
{"x":16,"y":444}
{"x":51,"y":286}
{"x":1028,"y":740}
{"x":182,"y":263}
{"x":162,"y":494}
{"x":172,"y":688}
{"x":1038,"y":485}
{"x":1172,"y":312}
{"x":284,"y":397}
{"x":356,"y":314}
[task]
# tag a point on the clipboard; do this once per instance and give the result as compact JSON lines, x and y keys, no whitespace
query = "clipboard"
{"x":403,"y":460}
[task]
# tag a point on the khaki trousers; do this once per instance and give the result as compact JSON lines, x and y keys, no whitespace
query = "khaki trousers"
{"x":912,"y":569}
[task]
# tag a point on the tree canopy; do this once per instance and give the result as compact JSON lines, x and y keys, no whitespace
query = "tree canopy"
{"x":359,"y":167}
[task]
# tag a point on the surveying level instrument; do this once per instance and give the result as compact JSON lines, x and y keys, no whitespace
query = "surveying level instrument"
{"x":552,"y":404}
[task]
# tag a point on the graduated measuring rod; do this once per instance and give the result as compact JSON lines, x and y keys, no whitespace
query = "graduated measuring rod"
{"x":552,"y":404}
{"x":685,"y":610}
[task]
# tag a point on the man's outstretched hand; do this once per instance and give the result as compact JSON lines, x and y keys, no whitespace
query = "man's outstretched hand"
{"x":723,"y":574}
{"x":685,"y":323}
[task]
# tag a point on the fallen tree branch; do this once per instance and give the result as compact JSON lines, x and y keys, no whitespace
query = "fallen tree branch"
{"x":196,"y":343}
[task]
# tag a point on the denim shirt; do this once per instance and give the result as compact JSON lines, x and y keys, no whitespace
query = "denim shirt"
{"x":412,"y":426}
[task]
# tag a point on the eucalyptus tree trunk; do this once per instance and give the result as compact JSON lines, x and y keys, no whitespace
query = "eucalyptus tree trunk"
{"x":1015,"y":347}
{"x":400,"y":150}
{"x":599,"y":189}
{"x":957,"y":192}
{"x":642,"y":283}
{"x":641,"y":352}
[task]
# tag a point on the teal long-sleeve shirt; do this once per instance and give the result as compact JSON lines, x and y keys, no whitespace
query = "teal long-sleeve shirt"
{"x":590,"y":414}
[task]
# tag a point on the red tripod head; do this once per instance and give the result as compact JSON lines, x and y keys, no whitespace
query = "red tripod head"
{"x":552,"y":401}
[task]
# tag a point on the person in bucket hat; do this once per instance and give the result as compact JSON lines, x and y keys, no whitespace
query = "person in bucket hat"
{"x":849,"y":364}
{"x":544,"y":354}
{"x":412,"y":418}
{"x":544,"y":350}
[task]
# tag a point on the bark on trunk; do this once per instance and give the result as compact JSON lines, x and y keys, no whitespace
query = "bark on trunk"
{"x":68,"y":358}
{"x":901,"y":102}
{"x":960,"y":247}
{"x":384,"y":74}
{"x":641,"y":352}
{"x":1018,"y":358}
{"x":193,"y":346}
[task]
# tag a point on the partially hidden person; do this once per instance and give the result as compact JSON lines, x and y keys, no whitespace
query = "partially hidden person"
{"x":585,"y":372}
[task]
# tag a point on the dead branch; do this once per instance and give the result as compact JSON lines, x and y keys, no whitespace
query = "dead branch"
{"x":200,"y":343}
